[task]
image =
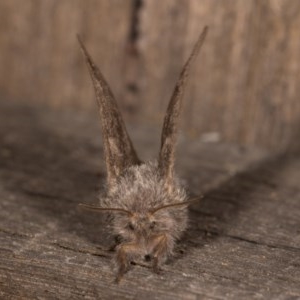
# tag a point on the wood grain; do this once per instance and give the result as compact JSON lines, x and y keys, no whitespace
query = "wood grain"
{"x":243,"y":88}
{"x":40,"y":52}
{"x":243,"y":241}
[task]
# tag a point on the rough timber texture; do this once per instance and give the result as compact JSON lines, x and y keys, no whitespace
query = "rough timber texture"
{"x":245,"y":83}
{"x":244,"y":87}
{"x":40,"y":54}
{"x":243,"y":241}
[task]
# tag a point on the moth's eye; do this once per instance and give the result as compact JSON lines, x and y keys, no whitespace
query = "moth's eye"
{"x":152,"y":224}
{"x":130,"y":226}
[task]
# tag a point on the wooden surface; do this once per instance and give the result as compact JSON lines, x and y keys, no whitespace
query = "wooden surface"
{"x":243,"y":241}
{"x":244,"y":87}
{"x":40,"y":58}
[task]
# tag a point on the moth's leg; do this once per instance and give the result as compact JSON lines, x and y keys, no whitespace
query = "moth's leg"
{"x":125,"y":253}
{"x":117,"y":242}
{"x":161,"y":245}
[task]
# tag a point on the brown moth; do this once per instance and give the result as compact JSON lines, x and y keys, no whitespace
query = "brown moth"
{"x":148,"y":204}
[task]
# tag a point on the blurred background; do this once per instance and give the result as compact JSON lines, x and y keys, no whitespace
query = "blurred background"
{"x":243,"y":88}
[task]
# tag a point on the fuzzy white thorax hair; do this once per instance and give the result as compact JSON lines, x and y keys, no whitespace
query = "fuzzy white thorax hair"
{"x":140,"y":190}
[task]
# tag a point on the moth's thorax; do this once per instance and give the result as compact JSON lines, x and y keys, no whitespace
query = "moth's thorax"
{"x":141,"y":190}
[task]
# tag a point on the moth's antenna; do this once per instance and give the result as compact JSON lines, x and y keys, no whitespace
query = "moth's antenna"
{"x":103,"y":209}
{"x":169,"y":131}
{"x":177,"y":204}
{"x":118,"y":148}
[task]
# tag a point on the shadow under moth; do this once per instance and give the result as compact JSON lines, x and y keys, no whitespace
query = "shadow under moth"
{"x":147,"y":203}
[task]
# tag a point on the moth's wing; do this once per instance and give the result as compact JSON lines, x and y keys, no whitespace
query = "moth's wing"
{"x":170,"y":126}
{"x":118,"y":148}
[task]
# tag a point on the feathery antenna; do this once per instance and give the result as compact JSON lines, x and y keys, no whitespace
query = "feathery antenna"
{"x":103,"y":209}
{"x":177,"y":204}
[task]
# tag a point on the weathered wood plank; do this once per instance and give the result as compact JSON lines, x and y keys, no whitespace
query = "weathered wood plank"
{"x":40,"y":58}
{"x":244,"y":84}
{"x":243,"y":241}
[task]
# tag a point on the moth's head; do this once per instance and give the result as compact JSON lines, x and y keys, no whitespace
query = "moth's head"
{"x":138,"y":225}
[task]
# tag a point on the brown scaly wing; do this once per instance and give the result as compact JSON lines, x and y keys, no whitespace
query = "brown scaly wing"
{"x":118,"y":148}
{"x":170,"y":127}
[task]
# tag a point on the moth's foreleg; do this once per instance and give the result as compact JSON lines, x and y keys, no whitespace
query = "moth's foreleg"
{"x":125,"y":253}
{"x":162,"y":245}
{"x":116,"y":243}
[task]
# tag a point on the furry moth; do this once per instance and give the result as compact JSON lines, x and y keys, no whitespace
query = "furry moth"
{"x":146,"y":200}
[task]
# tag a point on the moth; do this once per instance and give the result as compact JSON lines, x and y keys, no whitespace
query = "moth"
{"x":148,"y":204}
